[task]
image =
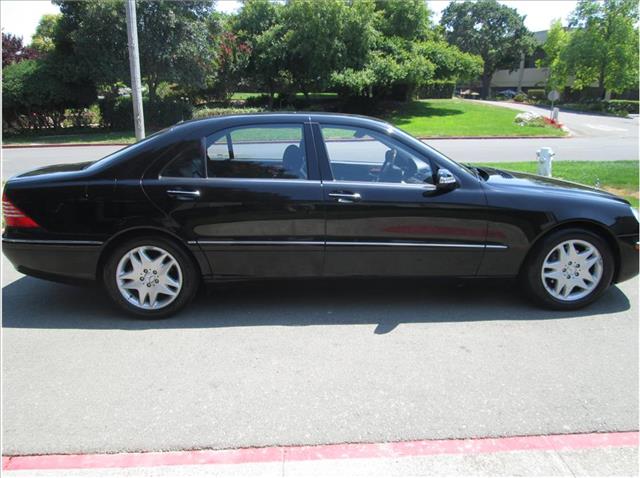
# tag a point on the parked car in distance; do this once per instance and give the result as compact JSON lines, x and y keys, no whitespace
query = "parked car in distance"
{"x":307,"y":195}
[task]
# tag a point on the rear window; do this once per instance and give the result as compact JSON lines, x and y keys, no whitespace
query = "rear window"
{"x":261,"y":151}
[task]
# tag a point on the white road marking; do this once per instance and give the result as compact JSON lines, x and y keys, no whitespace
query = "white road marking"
{"x":605,"y":128}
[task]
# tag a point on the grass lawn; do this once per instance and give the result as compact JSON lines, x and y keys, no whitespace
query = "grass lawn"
{"x":432,"y":118}
{"x":454,"y":117}
{"x":90,"y":137}
{"x":618,"y":177}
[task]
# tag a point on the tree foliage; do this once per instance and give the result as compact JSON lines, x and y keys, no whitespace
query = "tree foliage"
{"x":489,"y":29}
{"x":603,"y":47}
{"x":173,"y":37}
{"x":43,"y":40}
{"x":13,"y":51}
{"x":555,"y":58}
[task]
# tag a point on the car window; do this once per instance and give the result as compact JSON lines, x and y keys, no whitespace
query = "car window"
{"x":188,"y":162}
{"x":264,"y":151}
{"x":357,"y":154}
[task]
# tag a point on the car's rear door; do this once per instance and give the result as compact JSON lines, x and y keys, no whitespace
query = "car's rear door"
{"x":384,"y":216}
{"x":258,"y":209}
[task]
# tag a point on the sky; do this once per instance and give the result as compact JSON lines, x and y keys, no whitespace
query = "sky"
{"x":21,"y":17}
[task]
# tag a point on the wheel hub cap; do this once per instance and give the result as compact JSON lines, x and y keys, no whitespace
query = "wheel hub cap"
{"x":149,"y":277}
{"x":572,"y":270}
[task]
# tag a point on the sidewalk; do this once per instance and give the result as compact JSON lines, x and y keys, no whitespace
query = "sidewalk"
{"x":594,"y":454}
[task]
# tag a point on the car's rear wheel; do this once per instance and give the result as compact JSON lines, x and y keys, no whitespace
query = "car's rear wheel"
{"x":569,"y":269}
{"x":150,"y":277}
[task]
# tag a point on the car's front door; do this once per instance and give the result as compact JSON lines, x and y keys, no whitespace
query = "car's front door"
{"x":258,"y":209}
{"x":384,"y":215}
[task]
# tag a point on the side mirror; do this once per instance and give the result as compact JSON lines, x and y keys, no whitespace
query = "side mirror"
{"x":445,"y":181}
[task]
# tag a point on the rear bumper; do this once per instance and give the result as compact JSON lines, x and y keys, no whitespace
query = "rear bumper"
{"x":629,"y":255}
{"x":62,"y":261}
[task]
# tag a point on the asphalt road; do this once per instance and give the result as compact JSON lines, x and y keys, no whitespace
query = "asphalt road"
{"x":310,"y":363}
{"x":595,"y":138}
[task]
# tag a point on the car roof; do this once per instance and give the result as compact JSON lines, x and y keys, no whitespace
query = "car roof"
{"x":280,"y":117}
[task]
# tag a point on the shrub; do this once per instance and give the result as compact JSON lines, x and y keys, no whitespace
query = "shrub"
{"x":520,"y":98}
{"x":220,"y":111}
{"x":614,"y":107}
{"x":81,"y":117}
{"x":437,"y":89}
{"x":627,"y":106}
{"x":117,"y":112}
{"x":529,"y":119}
{"x":536,"y":94}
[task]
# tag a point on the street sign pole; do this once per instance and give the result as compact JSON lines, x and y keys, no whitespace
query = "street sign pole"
{"x":134,"y":66}
{"x":553,"y":96}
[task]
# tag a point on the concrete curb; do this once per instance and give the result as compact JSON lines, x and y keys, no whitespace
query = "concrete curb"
{"x":280,"y":454}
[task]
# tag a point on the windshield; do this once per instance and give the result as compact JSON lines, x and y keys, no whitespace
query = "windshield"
{"x":113,"y":157}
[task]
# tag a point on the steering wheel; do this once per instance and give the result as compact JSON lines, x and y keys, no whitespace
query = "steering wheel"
{"x":389,"y":160}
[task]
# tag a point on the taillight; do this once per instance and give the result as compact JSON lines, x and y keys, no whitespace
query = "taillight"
{"x":14,"y":217}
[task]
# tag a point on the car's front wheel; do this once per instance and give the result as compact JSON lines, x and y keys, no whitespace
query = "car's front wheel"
{"x":569,"y":269}
{"x":150,"y":277}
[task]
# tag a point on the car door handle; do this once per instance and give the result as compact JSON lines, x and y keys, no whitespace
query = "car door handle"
{"x":345,"y":197}
{"x":182,"y":194}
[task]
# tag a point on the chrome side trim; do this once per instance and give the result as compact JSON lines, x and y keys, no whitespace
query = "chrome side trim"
{"x":260,"y":243}
{"x":406,"y":244}
{"x":420,"y":186}
{"x":347,"y":243}
{"x":47,"y":241}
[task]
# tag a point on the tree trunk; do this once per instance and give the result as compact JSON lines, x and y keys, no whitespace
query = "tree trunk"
{"x":270,"y":98}
{"x":486,"y":85}
{"x":601,"y":89}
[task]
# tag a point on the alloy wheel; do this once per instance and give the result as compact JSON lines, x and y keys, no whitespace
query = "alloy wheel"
{"x":149,"y":277}
{"x":572,"y":270}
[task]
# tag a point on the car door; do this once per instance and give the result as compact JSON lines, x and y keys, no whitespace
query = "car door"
{"x":255,"y":206}
{"x":384,"y":214}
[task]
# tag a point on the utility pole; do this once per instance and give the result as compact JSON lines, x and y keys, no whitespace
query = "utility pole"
{"x":134,"y":66}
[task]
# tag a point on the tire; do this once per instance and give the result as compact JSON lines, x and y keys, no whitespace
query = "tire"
{"x":563,"y":283}
{"x":154,"y":269}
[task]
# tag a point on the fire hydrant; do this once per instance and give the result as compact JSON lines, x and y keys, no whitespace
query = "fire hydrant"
{"x":545,"y":156}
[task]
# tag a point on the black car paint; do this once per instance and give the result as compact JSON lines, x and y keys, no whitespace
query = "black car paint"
{"x":246,"y":228}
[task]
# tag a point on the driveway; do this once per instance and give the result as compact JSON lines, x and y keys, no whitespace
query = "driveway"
{"x":587,"y":125}
{"x":308,"y":363}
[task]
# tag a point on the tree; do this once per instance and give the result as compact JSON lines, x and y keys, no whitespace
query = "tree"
{"x":43,"y":39}
{"x":486,"y":28}
{"x":259,"y":25}
{"x":603,"y":48}
{"x":35,"y":90}
{"x":554,"y":56}
{"x":313,"y":35}
{"x":13,"y":51}
{"x":408,"y":19}
{"x":173,"y":38}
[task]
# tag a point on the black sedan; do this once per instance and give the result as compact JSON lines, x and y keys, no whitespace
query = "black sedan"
{"x":307,"y":195}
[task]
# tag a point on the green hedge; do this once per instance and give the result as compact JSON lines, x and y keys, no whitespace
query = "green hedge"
{"x":615,"y":107}
{"x":629,"y":106}
{"x":117,"y":113}
{"x":221,"y":111}
{"x":536,"y":94}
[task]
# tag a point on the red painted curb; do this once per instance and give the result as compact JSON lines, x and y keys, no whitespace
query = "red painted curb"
{"x":60,"y":145}
{"x":322,"y":452}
